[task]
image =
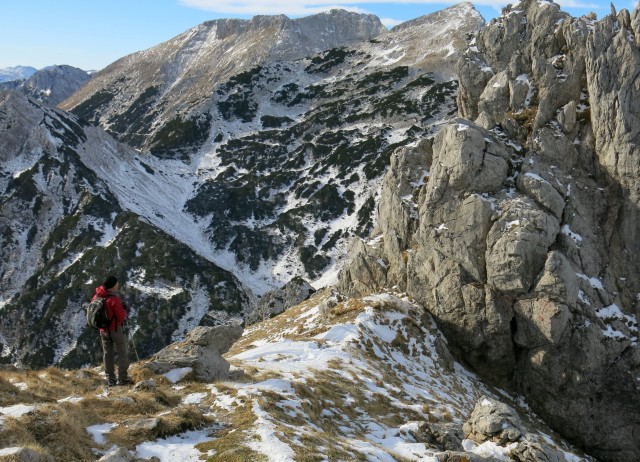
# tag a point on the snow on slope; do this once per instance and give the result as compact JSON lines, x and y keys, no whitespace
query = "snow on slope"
{"x":356,"y":381}
{"x":160,"y":189}
{"x":336,"y":377}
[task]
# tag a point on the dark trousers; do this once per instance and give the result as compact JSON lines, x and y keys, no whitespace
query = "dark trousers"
{"x":114,"y":345}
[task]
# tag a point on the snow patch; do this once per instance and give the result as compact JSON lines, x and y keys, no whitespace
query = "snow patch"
{"x":175,"y":375}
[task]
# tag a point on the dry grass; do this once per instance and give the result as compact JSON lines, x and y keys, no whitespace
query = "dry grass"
{"x":58,"y":431}
{"x":291,"y":324}
{"x":230,"y":443}
{"x":59,"y":428}
{"x":351,"y":397}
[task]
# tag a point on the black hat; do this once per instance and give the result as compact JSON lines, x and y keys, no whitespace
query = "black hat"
{"x":110,"y":282}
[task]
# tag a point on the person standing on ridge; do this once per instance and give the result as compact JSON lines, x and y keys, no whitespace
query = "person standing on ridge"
{"x":114,"y":339}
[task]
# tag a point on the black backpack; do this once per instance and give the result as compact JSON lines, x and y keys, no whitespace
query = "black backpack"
{"x":97,"y":313}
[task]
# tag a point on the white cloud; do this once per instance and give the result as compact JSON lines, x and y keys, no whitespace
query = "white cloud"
{"x":389,"y":22}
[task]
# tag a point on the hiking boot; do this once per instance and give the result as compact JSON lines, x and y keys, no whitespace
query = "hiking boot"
{"x":111,"y":382}
{"x":126,"y":381}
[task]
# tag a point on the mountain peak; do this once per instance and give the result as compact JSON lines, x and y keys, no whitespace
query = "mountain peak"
{"x":457,"y":14}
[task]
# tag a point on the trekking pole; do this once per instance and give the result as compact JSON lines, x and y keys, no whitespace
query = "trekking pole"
{"x":133,"y":344}
{"x":130,"y":337}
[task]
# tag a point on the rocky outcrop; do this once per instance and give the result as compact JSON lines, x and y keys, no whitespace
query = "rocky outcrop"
{"x":201,"y":351}
{"x":520,"y":235}
{"x":275,"y":302}
{"x":500,"y":424}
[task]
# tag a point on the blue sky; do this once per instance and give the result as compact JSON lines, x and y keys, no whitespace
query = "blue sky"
{"x":90,"y":34}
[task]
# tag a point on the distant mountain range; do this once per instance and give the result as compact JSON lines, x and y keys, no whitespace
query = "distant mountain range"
{"x":16,"y":73}
{"x":50,"y":85}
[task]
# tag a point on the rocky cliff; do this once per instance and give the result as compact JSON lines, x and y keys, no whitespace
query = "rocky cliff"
{"x":516,"y":225}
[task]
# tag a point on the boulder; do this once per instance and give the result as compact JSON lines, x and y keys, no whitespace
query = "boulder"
{"x":493,"y":421}
{"x":494,"y":100}
{"x":142,"y":424}
{"x":465,"y":158}
{"x":365,"y":271}
{"x":542,"y":192}
{"x":444,"y":436}
{"x":201,"y":350}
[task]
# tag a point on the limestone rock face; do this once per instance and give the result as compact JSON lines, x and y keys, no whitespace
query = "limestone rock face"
{"x":275,"y":302}
{"x":517,"y":225}
{"x":201,"y":350}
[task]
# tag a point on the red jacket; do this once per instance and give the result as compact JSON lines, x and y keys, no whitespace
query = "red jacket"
{"x":114,"y":308}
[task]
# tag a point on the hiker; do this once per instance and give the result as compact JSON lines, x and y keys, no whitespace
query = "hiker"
{"x":114,"y":338}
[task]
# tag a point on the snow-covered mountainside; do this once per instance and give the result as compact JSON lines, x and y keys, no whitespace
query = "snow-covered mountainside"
{"x":8,"y":74}
{"x":63,"y":230}
{"x":140,"y":96}
{"x":50,"y":85}
{"x":283,"y":161}
{"x":281,"y":169}
{"x":366,"y":379}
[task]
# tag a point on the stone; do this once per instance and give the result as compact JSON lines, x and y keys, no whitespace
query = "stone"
{"x":465,"y":159}
{"x":142,"y":424}
{"x":542,"y":192}
{"x":527,"y":451}
{"x":494,"y":100}
{"x":149,"y":384}
{"x":517,"y":246}
{"x":460,"y":231}
{"x":201,"y":350}
{"x":493,"y":421}
{"x":365,"y":271}
{"x":445,"y":436}
{"x":567,"y":117}
{"x":558,"y":281}
{"x":518,"y":91}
